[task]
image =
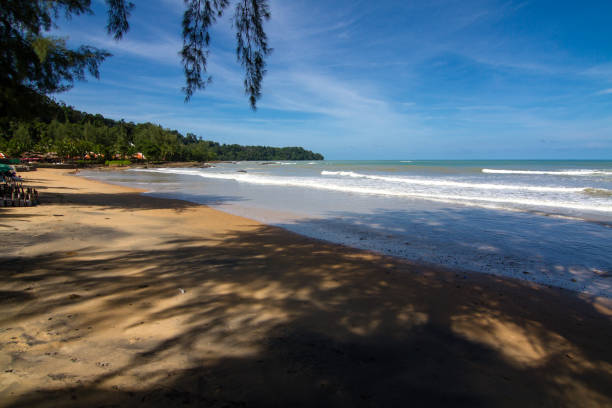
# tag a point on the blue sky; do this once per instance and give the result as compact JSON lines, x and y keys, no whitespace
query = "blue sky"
{"x":436,"y":79}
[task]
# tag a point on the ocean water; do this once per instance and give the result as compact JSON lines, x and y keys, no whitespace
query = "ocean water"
{"x":544,"y":221}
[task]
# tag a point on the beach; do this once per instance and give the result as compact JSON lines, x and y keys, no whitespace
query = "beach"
{"x":549,"y":222}
{"x":112,"y":298}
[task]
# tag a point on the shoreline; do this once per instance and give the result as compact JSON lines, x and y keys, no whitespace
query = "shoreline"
{"x":588,"y":280}
{"x":112,"y":297}
{"x":346,"y":247}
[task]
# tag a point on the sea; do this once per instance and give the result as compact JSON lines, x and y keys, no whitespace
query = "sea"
{"x":549,"y":222}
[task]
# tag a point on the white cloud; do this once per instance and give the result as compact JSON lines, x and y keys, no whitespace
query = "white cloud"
{"x":600,"y":71}
{"x":163,"y":48}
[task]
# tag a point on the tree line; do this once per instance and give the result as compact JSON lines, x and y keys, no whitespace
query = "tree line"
{"x":69,"y":133}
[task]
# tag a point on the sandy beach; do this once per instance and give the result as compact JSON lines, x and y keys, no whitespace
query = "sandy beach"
{"x":111,"y":298}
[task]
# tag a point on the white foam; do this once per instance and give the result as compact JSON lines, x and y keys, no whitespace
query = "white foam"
{"x":449,"y":183}
{"x":579,"y":172}
{"x":322,"y":184}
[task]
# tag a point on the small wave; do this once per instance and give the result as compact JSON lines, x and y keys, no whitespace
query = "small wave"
{"x":277,"y":162}
{"x":449,"y":183}
{"x":340,"y":173}
{"x":405,"y":161}
{"x":579,"y":172}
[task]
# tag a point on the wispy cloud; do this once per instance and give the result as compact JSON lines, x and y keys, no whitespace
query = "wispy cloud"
{"x":162,"y":48}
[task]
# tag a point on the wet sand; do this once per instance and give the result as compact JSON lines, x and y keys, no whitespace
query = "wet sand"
{"x":110,"y":298}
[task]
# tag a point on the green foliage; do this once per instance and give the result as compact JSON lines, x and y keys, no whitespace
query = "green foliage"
{"x":252,"y":43}
{"x":21,"y":141}
{"x":117,"y":163}
{"x":73,"y":134}
{"x":34,"y":63}
{"x":237,"y":152}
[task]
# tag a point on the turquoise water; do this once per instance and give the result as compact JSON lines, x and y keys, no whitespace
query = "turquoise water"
{"x":545,"y":221}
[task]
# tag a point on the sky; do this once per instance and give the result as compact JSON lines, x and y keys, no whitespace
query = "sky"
{"x":436,"y":79}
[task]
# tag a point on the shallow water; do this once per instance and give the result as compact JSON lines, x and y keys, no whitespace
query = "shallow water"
{"x":545,"y":221}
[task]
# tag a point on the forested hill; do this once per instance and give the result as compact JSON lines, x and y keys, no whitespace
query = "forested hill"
{"x":238,"y":152}
{"x":70,"y":133}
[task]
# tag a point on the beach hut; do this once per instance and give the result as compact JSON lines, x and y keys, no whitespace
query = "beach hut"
{"x":51,"y":157}
{"x":31,"y":157}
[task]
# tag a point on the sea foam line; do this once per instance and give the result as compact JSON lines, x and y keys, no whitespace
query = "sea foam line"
{"x":315,"y":184}
{"x":448,"y":183}
{"x":580,"y":172}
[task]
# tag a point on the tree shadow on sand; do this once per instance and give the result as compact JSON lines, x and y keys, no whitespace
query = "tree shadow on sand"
{"x":260,"y":320}
{"x":128,"y":201}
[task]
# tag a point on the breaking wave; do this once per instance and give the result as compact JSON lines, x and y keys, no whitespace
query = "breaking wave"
{"x":399,"y":187}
